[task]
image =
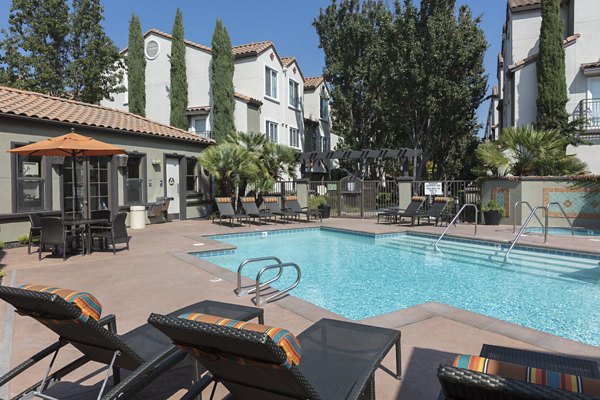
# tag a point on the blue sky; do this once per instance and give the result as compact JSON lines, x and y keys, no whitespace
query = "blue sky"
{"x":286,"y":23}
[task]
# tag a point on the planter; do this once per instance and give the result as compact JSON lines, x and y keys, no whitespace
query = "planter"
{"x":492,"y":217}
{"x":325,"y":211}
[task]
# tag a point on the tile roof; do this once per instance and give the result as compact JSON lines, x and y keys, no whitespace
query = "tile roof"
{"x":40,"y":106}
{"x":523,"y":3}
{"x":590,"y":65}
{"x":287,"y":61}
{"x":250,"y":49}
{"x":198,"y":108}
{"x":568,"y":41}
{"x":169,"y":36}
{"x":239,"y":96}
{"x":313,"y":82}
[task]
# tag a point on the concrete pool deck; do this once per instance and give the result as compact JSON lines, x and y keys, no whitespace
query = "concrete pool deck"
{"x":158,"y":275}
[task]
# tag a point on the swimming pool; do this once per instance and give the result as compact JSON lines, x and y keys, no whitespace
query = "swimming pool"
{"x":361,"y":276}
{"x":565,"y":231}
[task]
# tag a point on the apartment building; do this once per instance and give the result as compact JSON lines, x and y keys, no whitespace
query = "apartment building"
{"x":514,"y":102}
{"x":270,"y":92}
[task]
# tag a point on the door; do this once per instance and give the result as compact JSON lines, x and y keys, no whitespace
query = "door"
{"x":172,"y":172}
{"x":85,"y":188}
{"x":593,"y":103}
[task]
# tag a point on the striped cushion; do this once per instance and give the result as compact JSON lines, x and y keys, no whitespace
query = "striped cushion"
{"x":283,"y":338}
{"x":90,"y":306}
{"x":291,"y":198}
{"x":247,"y":199}
{"x":222,"y":199}
{"x":443,"y":199}
{"x":557,"y":380}
{"x":270,"y":199}
{"x":418,"y":198}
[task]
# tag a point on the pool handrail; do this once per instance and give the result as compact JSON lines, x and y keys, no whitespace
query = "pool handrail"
{"x":531,"y":214}
{"x":250,"y":289}
{"x":563,"y":212}
{"x":259,"y":286}
{"x":454,"y":221}
{"x":515,"y":214}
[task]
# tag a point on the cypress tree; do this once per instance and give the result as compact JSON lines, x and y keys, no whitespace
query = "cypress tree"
{"x":179,"y":86}
{"x":136,"y":68}
{"x":222,"y":83}
{"x":552,"y":86}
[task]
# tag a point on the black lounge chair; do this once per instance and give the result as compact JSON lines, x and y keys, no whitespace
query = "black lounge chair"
{"x":35,"y":230}
{"x":338,"y":360}
{"x":463,"y":384}
{"x":226,"y":211}
{"x":437,"y":210}
{"x":250,"y":208}
{"x":272,"y":204}
{"x":115,"y":232}
{"x":412,"y":211}
{"x":144,"y":350}
{"x":292,"y":204}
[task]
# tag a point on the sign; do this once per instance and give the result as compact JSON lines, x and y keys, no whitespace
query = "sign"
{"x":171,"y":181}
{"x":433,"y":188}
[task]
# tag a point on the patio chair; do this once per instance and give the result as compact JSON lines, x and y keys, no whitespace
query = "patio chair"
{"x":507,"y":375}
{"x":272,"y":204}
{"x":226,"y":211}
{"x":75,"y":318}
{"x":437,"y":210}
{"x":116,"y":232}
{"x":54,"y":233}
{"x":250,"y":208}
{"x":412,"y":211}
{"x":35,"y":229}
{"x":338,"y":358}
{"x":292,"y":204}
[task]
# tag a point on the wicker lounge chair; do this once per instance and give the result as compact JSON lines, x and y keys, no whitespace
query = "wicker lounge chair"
{"x":464,"y":384}
{"x":143,"y":350}
{"x":330,"y":360}
{"x":292,"y":204}
{"x":250,"y":208}
{"x":272,"y":204}
{"x":412,"y":211}
{"x":226,"y":211}
{"x":437,"y":210}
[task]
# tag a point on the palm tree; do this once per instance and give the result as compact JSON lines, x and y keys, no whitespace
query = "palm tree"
{"x":229,"y":164}
{"x":526,"y":151}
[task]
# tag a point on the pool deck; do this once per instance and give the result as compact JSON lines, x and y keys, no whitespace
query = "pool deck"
{"x":158,"y":275}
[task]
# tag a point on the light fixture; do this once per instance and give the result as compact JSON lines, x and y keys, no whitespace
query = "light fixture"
{"x":121,"y":160}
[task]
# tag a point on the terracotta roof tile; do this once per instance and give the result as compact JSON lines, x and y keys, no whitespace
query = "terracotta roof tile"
{"x":523,"y":3}
{"x":169,"y":36}
{"x":250,"y":49}
{"x":287,"y":61}
{"x":590,"y":65}
{"x":248,"y":99}
{"x":313,"y":82}
{"x":568,"y":41}
{"x":36,"y":105}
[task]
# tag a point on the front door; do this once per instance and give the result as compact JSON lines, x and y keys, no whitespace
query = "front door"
{"x":172,"y":172}
{"x":85,"y":188}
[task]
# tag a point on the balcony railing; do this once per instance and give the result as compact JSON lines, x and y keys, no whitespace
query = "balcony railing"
{"x":588,"y":110}
{"x":204,"y":134}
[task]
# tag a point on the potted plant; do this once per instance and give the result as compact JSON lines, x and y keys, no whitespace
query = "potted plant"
{"x":492,"y":213}
{"x":320,"y":203}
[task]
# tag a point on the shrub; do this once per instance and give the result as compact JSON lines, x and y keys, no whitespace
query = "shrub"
{"x":492,"y":205}
{"x":23,"y":239}
{"x":317,"y":201}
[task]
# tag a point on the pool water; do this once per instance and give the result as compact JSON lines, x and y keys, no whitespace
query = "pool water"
{"x":565,"y":231}
{"x":360,"y":276}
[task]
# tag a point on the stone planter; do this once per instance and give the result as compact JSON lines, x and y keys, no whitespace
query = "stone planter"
{"x":325,"y":211}
{"x":492,"y":217}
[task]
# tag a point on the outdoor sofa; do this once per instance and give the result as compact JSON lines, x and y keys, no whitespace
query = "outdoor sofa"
{"x":75,"y":317}
{"x":469,"y":378}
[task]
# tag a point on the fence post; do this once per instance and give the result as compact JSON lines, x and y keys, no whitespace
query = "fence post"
{"x":362,"y":197}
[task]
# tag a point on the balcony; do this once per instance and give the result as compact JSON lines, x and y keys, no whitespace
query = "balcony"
{"x":589,"y":111}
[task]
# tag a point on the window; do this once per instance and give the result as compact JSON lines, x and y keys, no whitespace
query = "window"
{"x":294,"y":95}
{"x":30,"y":183}
{"x":324,"y":113}
{"x":191,"y":178}
{"x":200,"y":126}
{"x":272,"y":131}
{"x":134,"y":180}
{"x":294,"y":137}
{"x":270,"y":82}
{"x":152,"y":49}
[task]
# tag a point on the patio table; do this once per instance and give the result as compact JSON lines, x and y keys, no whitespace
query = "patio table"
{"x":86,"y":224}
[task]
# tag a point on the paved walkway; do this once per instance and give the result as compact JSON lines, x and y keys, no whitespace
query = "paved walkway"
{"x":158,"y":275}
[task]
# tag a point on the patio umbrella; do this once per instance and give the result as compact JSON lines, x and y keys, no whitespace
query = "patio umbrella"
{"x":72,"y":144}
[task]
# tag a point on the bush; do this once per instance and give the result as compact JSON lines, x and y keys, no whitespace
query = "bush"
{"x":1,"y":245}
{"x":492,"y":205}
{"x":23,"y":239}
{"x":317,"y":201}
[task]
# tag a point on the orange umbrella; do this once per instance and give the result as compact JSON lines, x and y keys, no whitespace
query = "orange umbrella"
{"x":71,"y":144}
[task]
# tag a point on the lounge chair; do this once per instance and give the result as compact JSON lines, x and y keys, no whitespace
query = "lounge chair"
{"x":463,"y":382}
{"x":412,"y":211}
{"x":226,"y":211}
{"x":75,"y":318}
{"x":292,"y":204}
{"x":115,"y":232}
{"x":272,"y":204}
{"x":437,"y":210}
{"x":330,"y":360}
{"x":35,"y":230}
{"x":250,"y":208}
{"x":54,"y":234}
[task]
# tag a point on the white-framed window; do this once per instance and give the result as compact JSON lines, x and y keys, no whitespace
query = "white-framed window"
{"x":270,"y":82}
{"x":294,"y":98}
{"x":272,"y":131}
{"x":199,"y":126}
{"x":152,"y":49}
{"x":294,"y":137}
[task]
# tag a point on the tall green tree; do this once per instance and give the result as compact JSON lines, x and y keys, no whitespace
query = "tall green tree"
{"x":35,"y":46}
{"x":552,"y":86}
{"x":222,"y":83}
{"x":179,"y":85}
{"x":95,"y":69}
{"x":136,"y":68}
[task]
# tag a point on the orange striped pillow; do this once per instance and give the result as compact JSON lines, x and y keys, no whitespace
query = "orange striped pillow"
{"x":247,"y":199}
{"x":222,"y":199}
{"x":270,"y":199}
{"x":90,"y":306}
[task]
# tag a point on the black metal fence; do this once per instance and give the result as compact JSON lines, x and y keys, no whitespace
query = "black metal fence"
{"x":462,"y":192}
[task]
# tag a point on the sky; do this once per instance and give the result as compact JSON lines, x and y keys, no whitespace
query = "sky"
{"x":287,"y":23}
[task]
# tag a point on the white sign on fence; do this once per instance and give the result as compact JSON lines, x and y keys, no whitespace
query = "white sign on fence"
{"x":433,"y":188}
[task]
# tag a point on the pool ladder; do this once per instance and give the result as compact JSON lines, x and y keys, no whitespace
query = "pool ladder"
{"x":258,"y":285}
{"x":453,"y":222}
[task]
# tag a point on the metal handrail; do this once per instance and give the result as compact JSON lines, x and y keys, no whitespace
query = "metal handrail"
{"x":515,"y":214}
{"x":251,"y":289}
{"x":531,"y":214}
{"x":455,"y":218}
{"x":259,"y":286}
{"x":564,"y":213}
